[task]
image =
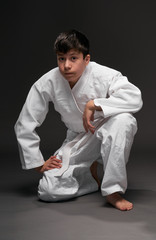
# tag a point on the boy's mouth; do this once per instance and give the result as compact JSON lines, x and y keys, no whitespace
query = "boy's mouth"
{"x":68,"y":74}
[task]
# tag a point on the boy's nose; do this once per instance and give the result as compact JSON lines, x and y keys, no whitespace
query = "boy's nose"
{"x":67,"y":64}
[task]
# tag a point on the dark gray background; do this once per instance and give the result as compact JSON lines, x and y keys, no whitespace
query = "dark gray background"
{"x":122,"y":36}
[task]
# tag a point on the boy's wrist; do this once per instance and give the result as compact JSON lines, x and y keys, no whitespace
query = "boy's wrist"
{"x":98,"y":108}
{"x":39,"y":169}
{"x":92,"y":106}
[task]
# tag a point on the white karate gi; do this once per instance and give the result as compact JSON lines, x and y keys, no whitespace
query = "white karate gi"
{"x":110,"y":144}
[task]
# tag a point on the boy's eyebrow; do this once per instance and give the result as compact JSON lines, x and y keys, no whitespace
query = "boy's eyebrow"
{"x":60,"y":54}
{"x":72,"y":53}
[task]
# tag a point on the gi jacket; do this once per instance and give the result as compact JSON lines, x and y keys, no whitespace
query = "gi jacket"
{"x":107,"y":87}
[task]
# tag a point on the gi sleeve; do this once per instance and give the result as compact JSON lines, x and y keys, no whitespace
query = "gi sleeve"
{"x":123,"y":97}
{"x":32,"y":115}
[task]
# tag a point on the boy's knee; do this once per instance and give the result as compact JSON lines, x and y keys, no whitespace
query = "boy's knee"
{"x":124,"y":118}
{"x":117,"y":127}
{"x":125,"y":122}
{"x":45,"y":193}
{"x":56,"y":189}
{"x":48,"y":189}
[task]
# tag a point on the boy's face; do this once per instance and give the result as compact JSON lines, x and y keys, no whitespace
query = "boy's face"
{"x":71,"y":65}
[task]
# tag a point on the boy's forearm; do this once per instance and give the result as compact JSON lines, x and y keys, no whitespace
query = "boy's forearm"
{"x":88,"y":116}
{"x":38,"y":169}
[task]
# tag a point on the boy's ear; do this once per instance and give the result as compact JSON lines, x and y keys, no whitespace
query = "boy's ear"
{"x":87,"y":59}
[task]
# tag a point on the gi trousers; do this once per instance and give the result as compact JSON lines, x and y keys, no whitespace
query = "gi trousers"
{"x":110,"y":145}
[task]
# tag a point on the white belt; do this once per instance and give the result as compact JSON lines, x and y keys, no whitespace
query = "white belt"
{"x":66,"y":151}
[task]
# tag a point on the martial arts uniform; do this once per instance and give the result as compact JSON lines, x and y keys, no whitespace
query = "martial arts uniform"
{"x":110,"y":144}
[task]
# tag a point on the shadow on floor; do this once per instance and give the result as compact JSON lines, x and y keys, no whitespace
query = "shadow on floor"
{"x":94,"y":206}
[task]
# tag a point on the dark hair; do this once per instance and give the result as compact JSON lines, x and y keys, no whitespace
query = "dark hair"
{"x":72,"y":39}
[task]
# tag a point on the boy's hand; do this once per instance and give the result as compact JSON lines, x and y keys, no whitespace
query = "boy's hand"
{"x":51,"y":163}
{"x":88,"y":116}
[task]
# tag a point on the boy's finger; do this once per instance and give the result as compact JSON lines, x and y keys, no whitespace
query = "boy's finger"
{"x":55,"y":163}
{"x":56,"y":166}
{"x":90,"y":125}
{"x":91,"y":130}
{"x":56,"y":159}
{"x":84,"y":124}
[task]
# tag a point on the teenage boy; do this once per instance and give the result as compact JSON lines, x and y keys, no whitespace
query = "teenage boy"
{"x":96,"y":104}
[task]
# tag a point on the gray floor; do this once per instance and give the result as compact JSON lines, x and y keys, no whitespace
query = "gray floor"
{"x":24,"y":217}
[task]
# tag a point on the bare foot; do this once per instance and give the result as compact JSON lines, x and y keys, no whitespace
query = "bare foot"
{"x":93,"y":170}
{"x":118,"y":202}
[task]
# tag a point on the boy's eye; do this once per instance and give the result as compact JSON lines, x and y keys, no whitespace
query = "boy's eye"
{"x":61,"y":59}
{"x":74,"y":58}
